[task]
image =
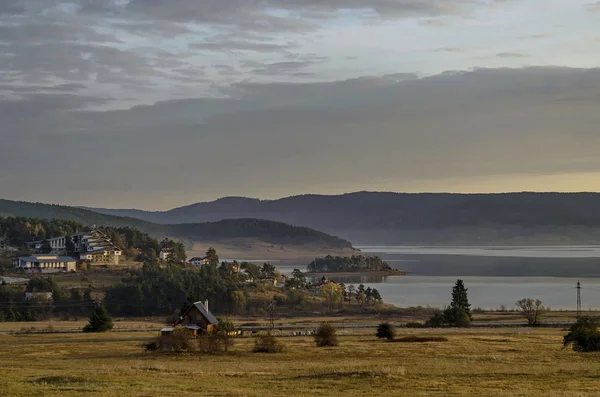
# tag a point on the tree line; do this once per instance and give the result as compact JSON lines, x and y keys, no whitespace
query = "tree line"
{"x":355,"y":263}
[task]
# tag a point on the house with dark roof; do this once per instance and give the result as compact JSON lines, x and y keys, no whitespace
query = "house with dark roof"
{"x":198,"y":319}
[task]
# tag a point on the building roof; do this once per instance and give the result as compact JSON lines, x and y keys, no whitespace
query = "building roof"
{"x":34,"y":258}
{"x":207,"y":314}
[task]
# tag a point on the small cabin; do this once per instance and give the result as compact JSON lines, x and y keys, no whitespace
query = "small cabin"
{"x":198,"y":319}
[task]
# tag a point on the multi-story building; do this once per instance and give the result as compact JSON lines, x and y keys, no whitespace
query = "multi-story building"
{"x":94,"y":247}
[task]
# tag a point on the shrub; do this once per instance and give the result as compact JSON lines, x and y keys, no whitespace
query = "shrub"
{"x":386,"y":331}
{"x":583,"y":335}
{"x":326,"y":336}
{"x":217,"y":343}
{"x":414,"y":324}
{"x":177,"y":341}
{"x":267,"y":344}
{"x":450,"y":317}
{"x":99,"y":321}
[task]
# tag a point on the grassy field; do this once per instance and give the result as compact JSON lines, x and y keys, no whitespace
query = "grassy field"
{"x":510,"y":362}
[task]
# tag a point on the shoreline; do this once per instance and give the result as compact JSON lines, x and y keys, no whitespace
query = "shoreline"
{"x":361,"y":273}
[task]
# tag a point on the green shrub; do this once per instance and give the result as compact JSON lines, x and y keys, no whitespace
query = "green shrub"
{"x":267,"y":344}
{"x":583,"y":335}
{"x":414,"y":324}
{"x":99,"y":321}
{"x":450,"y":317}
{"x":386,"y":331}
{"x":326,"y":336}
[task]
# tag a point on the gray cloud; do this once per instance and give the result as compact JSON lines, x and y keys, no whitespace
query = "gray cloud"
{"x":394,"y":129}
{"x":511,"y":55}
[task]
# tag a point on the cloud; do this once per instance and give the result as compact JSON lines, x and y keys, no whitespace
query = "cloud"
{"x":395,"y":130}
{"x":511,"y":55}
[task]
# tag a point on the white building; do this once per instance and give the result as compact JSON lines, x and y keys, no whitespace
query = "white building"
{"x":164,"y":255}
{"x":93,"y":246}
{"x":45,"y":263}
{"x":197,"y":261}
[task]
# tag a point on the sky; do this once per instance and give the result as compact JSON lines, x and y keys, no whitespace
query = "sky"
{"x":155,"y":104}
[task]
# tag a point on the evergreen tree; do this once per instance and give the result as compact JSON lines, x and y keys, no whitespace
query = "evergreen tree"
{"x":460,"y":300}
{"x":69,"y":245}
{"x":99,"y":321}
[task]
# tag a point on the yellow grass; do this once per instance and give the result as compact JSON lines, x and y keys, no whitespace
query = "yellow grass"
{"x":509,"y":362}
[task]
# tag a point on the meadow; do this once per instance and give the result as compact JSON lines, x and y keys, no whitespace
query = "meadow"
{"x":511,"y":362}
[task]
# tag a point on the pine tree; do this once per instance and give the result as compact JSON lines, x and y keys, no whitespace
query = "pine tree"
{"x":99,"y":321}
{"x":460,"y":300}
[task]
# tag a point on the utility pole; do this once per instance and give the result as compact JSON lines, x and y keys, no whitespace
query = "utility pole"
{"x":578,"y":300}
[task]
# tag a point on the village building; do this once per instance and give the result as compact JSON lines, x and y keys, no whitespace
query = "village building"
{"x":43,"y":296}
{"x":198,"y":319}
{"x":164,"y":255}
{"x":45,"y":263}
{"x":94,"y":247}
{"x":198,"y":261}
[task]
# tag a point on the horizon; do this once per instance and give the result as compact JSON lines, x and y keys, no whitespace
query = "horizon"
{"x":185,"y":101}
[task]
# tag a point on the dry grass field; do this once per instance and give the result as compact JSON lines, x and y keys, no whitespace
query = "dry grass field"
{"x":506,"y":362}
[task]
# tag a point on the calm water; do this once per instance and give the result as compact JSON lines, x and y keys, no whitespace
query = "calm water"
{"x":431,"y":288}
{"x":567,"y":251}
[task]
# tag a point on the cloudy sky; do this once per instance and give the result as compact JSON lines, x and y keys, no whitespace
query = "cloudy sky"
{"x":159,"y":103}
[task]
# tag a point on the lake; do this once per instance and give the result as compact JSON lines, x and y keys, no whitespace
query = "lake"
{"x":494,"y":276}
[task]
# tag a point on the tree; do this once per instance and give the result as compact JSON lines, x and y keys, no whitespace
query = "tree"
{"x":298,"y":280}
{"x":532,"y":310}
{"x":333,"y":294}
{"x":253,"y":271}
{"x":239,"y":301}
{"x":376,"y":295}
{"x":460,"y":300}
{"x":69,"y":245}
{"x":212,"y":257}
{"x":46,"y":248}
{"x":583,"y":335}
{"x":267,"y":271}
{"x":99,"y":321}
{"x":386,"y":331}
{"x":351,"y":292}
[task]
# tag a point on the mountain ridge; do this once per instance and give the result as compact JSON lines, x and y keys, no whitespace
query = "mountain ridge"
{"x":264,"y":230}
{"x":368,"y":218}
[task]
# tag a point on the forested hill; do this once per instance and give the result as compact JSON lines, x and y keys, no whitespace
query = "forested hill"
{"x":263,"y":230}
{"x":398,"y":218}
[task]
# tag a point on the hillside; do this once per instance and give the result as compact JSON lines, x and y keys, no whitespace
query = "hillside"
{"x":232,"y":229}
{"x":397,"y":218}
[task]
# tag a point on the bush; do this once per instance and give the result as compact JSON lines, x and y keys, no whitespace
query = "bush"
{"x":267,"y":344}
{"x":386,"y":331}
{"x":326,"y":336}
{"x":99,"y":321}
{"x":583,"y":335}
{"x":217,"y":343}
{"x":414,"y":324}
{"x":450,"y":317}
{"x":178,"y":341}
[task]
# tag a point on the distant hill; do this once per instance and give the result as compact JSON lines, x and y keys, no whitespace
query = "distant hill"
{"x":264,"y":230}
{"x":370,"y":218}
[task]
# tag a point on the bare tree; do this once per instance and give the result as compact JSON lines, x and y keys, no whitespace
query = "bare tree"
{"x":532,"y":310}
